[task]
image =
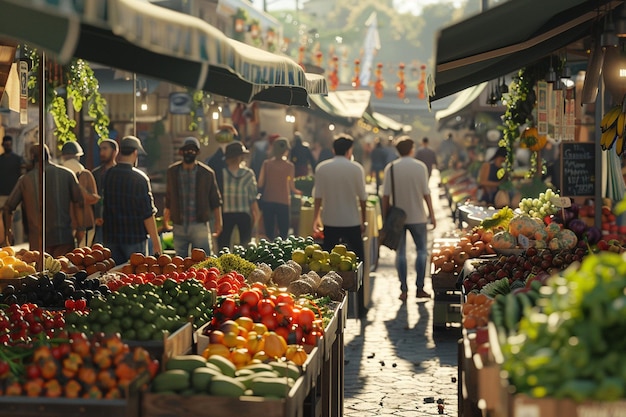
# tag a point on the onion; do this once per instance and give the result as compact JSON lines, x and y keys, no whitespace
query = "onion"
{"x":574,"y":209}
{"x":577,"y":226}
{"x":592,"y":235}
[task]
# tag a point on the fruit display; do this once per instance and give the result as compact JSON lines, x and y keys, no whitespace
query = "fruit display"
{"x":216,"y":375}
{"x":451,"y":257}
{"x":92,"y":259}
{"x":520,"y":267}
{"x":272,"y":253}
{"x":541,"y":206}
{"x":21,"y":323}
{"x":47,"y":290}
{"x":315,"y":259}
{"x":476,"y":310}
{"x":227,"y":262}
{"x":143,"y":312}
{"x":571,"y":344}
{"x":164,"y":264}
{"x":14,"y":266}
{"x":613,"y":124}
{"x":73,"y":366}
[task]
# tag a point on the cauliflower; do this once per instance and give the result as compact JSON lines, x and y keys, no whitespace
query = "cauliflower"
{"x":258,"y":275}
{"x":315,"y":277}
{"x":295,"y":265}
{"x":331,"y":288}
{"x":300,"y":287}
{"x":283,"y":275}
{"x":335,"y":277}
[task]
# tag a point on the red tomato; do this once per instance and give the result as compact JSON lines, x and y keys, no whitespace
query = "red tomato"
{"x":138,"y":280}
{"x":306,"y":319}
{"x":284,"y":312}
{"x":224,"y":288}
{"x":269,"y":321}
{"x":284,"y":297}
{"x":298,"y":333}
{"x":210,"y":285}
{"x":250,"y":297}
{"x":311,"y":337}
{"x":265,"y":307}
{"x":228,"y":307}
{"x":239,"y":277}
{"x":70,"y":304}
{"x":33,"y":372}
{"x":245,"y":310}
{"x":282,"y":331}
{"x":80,"y":304}
{"x":150,"y":276}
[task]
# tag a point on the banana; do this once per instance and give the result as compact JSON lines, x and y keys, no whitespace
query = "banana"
{"x":608,"y":137}
{"x":619,"y":145}
{"x":620,"y":124}
{"x":610,"y":117}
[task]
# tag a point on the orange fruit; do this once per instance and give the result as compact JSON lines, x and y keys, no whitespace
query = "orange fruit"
{"x":198,"y":255}
{"x":178,"y":260}
{"x":164,"y":259}
{"x":155,"y":268}
{"x":169,"y":268}
{"x":97,"y":246}
{"x":97,"y":254}
{"x":136,"y":258}
{"x":141,"y":268}
{"x":89,"y":260}
{"x":128,"y":269}
{"x":150,"y":260}
{"x":106,"y":252}
{"x":188,"y":262}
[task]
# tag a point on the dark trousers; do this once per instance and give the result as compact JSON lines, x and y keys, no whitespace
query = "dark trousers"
{"x":352,"y":238}
{"x":275,"y":214}
{"x":243,"y":221}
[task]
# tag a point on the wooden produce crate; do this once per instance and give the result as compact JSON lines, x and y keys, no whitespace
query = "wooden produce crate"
{"x":179,"y":341}
{"x":129,"y":406}
{"x":447,"y":309}
{"x":522,"y":406}
{"x":444,"y":280}
{"x":352,"y":280}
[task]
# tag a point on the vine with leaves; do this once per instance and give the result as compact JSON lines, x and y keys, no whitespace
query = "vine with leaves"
{"x":520,"y":102}
{"x":75,"y":83}
{"x":198,"y":107}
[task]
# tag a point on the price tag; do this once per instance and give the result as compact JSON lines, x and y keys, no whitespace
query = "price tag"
{"x":527,"y":410}
{"x":523,"y":241}
{"x":561,"y":202}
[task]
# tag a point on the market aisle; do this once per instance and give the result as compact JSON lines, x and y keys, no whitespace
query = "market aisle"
{"x":395,"y":364}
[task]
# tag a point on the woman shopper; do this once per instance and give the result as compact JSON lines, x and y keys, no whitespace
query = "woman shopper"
{"x":277,"y":182}
{"x":240,"y":208}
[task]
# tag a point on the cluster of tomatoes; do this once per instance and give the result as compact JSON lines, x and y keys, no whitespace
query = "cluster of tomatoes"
{"x":278,"y":311}
{"x":20,"y":324}
{"x":211,"y":278}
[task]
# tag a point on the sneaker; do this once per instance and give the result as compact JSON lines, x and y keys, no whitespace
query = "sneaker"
{"x":403,"y":296}
{"x":422,"y":294}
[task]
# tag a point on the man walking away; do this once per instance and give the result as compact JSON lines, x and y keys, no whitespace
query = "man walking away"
{"x":340,"y":190}
{"x":129,"y":208}
{"x":427,"y":156}
{"x":12,"y":166}
{"x":410,"y":190}
{"x":108,"y":155}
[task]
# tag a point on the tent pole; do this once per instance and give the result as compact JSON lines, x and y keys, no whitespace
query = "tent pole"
{"x":42,"y":132}
{"x":134,"y":104}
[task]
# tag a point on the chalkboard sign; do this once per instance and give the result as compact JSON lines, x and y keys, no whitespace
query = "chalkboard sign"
{"x":578,"y":169}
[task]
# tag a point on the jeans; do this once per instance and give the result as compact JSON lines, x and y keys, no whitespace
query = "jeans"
{"x":120,"y":252}
{"x":275,"y":214}
{"x":420,"y":237}
{"x":195,"y":235}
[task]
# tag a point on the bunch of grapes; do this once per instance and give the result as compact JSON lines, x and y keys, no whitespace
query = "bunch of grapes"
{"x":539,"y":207}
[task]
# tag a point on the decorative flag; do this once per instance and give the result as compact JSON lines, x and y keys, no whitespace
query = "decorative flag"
{"x":370,"y":47}
{"x":379,"y":87}
{"x":334,"y":77}
{"x":401,"y":86}
{"x":356,"y":82}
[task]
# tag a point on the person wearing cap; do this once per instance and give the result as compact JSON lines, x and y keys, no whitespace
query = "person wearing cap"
{"x":340,"y":191}
{"x":108,"y":155}
{"x":488,"y":180}
{"x":191,"y":197}
{"x":410,"y":191}
{"x":62,"y":190}
{"x":260,"y":151}
{"x":129,"y":210}
{"x":240,"y":207}
{"x":224,"y":135}
{"x":70,"y":154}
{"x":277,"y":182}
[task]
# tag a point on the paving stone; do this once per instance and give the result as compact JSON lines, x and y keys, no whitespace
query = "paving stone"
{"x":401,"y":333}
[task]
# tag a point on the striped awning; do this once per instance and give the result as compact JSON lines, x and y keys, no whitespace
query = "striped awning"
{"x":138,"y":36}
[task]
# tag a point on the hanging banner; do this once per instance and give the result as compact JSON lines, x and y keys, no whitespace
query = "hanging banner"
{"x":570,"y":115}
{"x":23,"y":69}
{"x":542,"y":108}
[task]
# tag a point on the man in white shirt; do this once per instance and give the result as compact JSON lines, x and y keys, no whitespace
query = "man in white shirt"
{"x":340,"y":190}
{"x":410,"y":191}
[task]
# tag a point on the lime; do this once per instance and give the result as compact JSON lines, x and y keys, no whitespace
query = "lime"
{"x":118,"y":312}
{"x":169,"y":284}
{"x":110,"y":328}
{"x":126,"y":323}
{"x":182,"y":298}
{"x":147,"y":315}
{"x":143,"y":334}
{"x":130,"y":334}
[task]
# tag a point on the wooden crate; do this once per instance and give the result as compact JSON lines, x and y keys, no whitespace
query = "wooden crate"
{"x":176,"y":343}
{"x":444,"y":280}
{"x":352,"y":280}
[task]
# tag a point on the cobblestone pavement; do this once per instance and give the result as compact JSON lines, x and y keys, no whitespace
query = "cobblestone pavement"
{"x":395,"y":364}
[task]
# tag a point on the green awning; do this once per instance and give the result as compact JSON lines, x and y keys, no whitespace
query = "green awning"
{"x":141,"y":37}
{"x":508,"y":37}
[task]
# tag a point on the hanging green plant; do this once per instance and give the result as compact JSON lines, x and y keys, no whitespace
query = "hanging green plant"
{"x":520,"y":102}
{"x":74,"y":82}
{"x":198,"y":104}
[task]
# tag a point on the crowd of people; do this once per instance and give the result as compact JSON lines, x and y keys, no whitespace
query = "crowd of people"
{"x":205,"y":202}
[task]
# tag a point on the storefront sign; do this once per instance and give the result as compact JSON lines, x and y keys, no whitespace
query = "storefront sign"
{"x":23,"y":69}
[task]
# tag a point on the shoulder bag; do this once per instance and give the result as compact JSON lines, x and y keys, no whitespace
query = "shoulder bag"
{"x":393,"y":226}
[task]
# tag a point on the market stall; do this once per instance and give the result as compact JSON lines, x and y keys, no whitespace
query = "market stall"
{"x":171,"y":335}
